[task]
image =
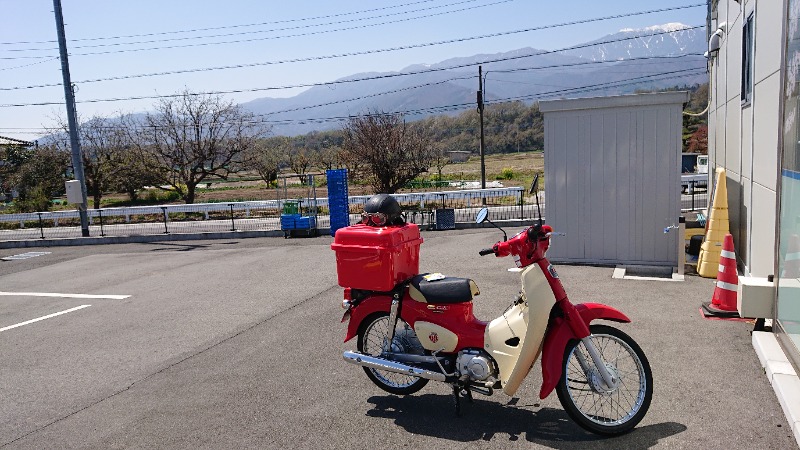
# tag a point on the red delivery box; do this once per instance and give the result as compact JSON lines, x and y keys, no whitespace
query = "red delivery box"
{"x":376,"y":258}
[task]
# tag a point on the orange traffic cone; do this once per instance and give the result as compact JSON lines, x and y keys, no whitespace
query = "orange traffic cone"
{"x":791,"y":263}
{"x":723,"y":302}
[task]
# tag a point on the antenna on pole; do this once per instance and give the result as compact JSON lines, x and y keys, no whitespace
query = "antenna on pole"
{"x":77,"y":161}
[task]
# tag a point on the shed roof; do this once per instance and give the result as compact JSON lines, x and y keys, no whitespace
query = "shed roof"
{"x":649,"y":99}
{"x":11,"y":141}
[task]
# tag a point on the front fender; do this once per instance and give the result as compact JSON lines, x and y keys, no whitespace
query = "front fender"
{"x":558,"y":336}
{"x":363,"y":310}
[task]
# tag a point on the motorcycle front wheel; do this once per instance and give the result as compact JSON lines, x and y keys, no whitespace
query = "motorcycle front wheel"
{"x":373,"y":337}
{"x":588,"y":400}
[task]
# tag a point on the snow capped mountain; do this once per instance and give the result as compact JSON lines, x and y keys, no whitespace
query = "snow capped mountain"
{"x":666,"y":28}
{"x":671,"y":39}
{"x":524,"y":73}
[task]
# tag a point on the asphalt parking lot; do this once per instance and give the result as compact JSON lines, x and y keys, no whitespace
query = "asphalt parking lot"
{"x":237,"y":343}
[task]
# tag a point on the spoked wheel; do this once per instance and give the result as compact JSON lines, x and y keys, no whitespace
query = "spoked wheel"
{"x":373,"y":339}
{"x":595,"y":406}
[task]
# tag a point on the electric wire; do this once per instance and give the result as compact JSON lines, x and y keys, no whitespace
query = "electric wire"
{"x":378,"y":77}
{"x":404,"y":47}
{"x":207,"y":69}
{"x":298,"y":27}
{"x":162,"y":33}
{"x":460,"y":106}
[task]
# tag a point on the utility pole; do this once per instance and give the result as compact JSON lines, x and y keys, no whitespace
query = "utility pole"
{"x":480,"y":110}
{"x":77,"y":162}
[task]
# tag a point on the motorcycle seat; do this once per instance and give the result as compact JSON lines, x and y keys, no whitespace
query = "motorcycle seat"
{"x":442,"y":290}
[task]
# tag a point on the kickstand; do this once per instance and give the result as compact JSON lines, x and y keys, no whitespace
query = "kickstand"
{"x":458,"y":392}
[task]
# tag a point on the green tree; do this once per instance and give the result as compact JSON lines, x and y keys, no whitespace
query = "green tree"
{"x":39,"y":178}
{"x":11,"y":159}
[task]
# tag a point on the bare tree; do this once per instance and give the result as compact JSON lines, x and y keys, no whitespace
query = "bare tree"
{"x":265,"y":157}
{"x":300,"y":160}
{"x":329,"y":157}
{"x":103,"y":143}
{"x":392,"y":152}
{"x":197,"y":136}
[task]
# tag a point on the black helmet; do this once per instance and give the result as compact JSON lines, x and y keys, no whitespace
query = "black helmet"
{"x":380,"y":210}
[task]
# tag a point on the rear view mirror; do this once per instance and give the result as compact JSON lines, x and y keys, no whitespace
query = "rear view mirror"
{"x":482,"y":215}
{"x":534,"y":185}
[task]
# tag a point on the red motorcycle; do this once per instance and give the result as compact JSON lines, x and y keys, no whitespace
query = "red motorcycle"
{"x":412,"y":328}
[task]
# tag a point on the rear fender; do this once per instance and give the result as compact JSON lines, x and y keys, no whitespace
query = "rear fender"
{"x":364,"y":309}
{"x":558,"y":336}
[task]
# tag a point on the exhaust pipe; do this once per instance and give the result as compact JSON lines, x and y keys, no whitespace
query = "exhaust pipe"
{"x":374,"y":362}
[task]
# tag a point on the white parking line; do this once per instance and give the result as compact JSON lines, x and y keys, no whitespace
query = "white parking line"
{"x":43,"y":318}
{"x":24,"y":256}
{"x":54,"y":294}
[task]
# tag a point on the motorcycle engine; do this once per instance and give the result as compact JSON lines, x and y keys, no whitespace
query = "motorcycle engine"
{"x":475,"y":365}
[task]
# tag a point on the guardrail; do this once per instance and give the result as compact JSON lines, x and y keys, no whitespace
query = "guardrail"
{"x":505,"y":203}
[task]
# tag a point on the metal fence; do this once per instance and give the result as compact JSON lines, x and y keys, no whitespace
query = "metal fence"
{"x":695,"y":199}
{"x":419,"y":208}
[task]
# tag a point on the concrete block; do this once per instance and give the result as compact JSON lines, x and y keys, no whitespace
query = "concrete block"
{"x":755,"y":297}
{"x":767,"y":348}
{"x":774,"y":368}
{"x":787,"y":389}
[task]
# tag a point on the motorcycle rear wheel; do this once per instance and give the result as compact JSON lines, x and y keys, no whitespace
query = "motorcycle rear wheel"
{"x":372,"y":340}
{"x":586,"y":398}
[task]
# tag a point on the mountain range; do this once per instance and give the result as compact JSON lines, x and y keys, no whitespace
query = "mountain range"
{"x":651,"y":58}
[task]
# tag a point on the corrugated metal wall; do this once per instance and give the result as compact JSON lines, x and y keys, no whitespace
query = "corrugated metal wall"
{"x":612,"y":177}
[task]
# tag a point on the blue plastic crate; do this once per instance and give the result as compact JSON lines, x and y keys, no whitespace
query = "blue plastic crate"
{"x":305,"y":223}
{"x":335,"y":191}
{"x":339,"y":222}
{"x":289,"y":221}
{"x":336,"y":174}
{"x":336,"y":203}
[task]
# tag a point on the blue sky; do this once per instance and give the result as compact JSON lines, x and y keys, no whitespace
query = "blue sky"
{"x":29,"y":50}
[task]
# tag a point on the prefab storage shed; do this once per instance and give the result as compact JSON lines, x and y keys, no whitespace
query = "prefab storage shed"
{"x":612,"y":177}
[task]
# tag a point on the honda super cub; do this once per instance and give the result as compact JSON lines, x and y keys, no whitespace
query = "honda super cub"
{"x":412,"y":328}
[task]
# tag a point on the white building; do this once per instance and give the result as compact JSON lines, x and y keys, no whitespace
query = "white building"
{"x":754,"y":68}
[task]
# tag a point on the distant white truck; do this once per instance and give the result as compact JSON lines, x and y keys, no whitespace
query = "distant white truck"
{"x":694,"y":172}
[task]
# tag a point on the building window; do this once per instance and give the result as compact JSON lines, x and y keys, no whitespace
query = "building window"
{"x":747,"y":60}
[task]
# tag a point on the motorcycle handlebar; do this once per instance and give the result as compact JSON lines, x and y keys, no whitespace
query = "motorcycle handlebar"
{"x":486,"y":251}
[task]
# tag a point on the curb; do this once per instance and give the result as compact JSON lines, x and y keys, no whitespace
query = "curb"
{"x":781,"y":376}
{"x":204,"y":236}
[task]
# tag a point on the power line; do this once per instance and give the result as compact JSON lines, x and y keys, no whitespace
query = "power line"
{"x":116,"y":44}
{"x":382,"y":50}
{"x":391,"y":49}
{"x":458,"y":78}
{"x":377,"y":77}
{"x":460,"y":106}
{"x":162,"y":33}
{"x":455,"y":107}
{"x":31,"y":64}
{"x":436,"y":83}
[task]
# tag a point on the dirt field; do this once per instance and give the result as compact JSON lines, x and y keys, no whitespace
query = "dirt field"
{"x":522,"y":165}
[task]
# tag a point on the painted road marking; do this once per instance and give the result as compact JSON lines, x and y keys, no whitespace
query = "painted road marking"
{"x":43,"y":318}
{"x":54,"y":294}
{"x":24,"y":256}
